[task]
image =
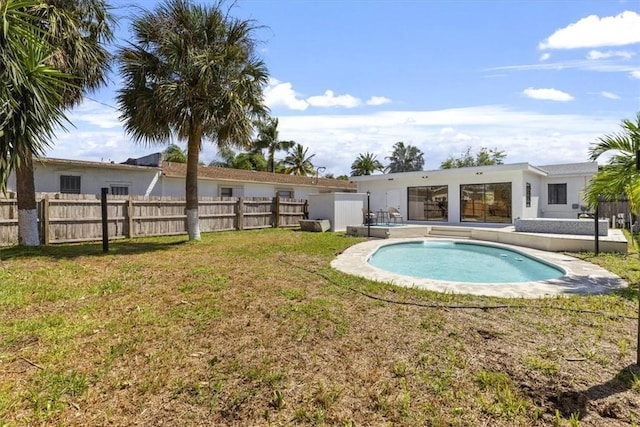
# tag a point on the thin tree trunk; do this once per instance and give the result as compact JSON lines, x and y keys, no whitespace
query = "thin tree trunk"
{"x":193,"y":154}
{"x":27,"y":209}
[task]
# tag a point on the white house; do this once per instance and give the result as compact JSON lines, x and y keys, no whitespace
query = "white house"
{"x":483,"y":194}
{"x":150,"y":176}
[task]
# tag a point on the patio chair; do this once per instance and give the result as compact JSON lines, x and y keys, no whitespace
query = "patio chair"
{"x":368,"y":217}
{"x":395,"y":215}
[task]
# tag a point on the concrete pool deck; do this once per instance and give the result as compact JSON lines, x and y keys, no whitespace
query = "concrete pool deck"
{"x":614,"y":241}
{"x":581,"y":277}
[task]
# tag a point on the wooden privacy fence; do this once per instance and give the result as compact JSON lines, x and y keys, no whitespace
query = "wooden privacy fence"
{"x":67,"y":218}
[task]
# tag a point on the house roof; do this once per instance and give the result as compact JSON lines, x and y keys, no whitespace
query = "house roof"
{"x":571,"y":169}
{"x":179,"y":170}
{"x":454,"y":171}
{"x":85,"y":163}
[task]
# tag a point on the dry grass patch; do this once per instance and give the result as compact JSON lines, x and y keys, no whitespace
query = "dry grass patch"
{"x":254,"y":328}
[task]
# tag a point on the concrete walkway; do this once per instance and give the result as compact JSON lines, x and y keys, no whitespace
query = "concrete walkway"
{"x":581,"y":277}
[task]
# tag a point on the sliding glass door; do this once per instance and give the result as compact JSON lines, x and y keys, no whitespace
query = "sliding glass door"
{"x":486,"y":202}
{"x":429,"y":203}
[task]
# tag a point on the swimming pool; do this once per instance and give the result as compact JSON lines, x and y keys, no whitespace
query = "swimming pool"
{"x":462,"y":262}
{"x":580,"y":277}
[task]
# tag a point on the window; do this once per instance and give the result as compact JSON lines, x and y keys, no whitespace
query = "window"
{"x":528,"y":195}
{"x":119,"y":190}
{"x":486,"y":202}
{"x":69,"y":184}
{"x":226,"y":192}
{"x":557,"y":194}
{"x":429,"y":203}
{"x":285,"y":194}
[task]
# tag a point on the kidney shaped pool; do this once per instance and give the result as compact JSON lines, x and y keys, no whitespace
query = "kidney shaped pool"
{"x":462,"y":262}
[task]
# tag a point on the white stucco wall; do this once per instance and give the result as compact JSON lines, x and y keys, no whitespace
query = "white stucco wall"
{"x":575,"y":188}
{"x":92,"y":180}
{"x":381,"y":186}
{"x":518,"y":175}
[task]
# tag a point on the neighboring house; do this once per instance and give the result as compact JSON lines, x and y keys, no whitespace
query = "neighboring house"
{"x":150,"y":176}
{"x":485,"y":194}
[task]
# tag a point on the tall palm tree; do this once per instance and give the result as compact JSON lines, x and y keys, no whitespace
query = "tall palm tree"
{"x":366,"y":164}
{"x":619,"y":176}
{"x":405,"y":158}
{"x":74,"y":32}
{"x":191,"y":73}
{"x":268,"y":140}
{"x":297,"y":162}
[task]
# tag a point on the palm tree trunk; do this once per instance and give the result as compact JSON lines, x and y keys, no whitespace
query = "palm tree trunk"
{"x":193,"y":152}
{"x":27,"y":209}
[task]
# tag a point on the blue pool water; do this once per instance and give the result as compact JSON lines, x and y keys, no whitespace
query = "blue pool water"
{"x":461,"y":262}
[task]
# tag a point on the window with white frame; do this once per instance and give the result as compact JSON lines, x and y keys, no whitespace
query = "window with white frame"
{"x":557,"y":194}
{"x":119,"y":190}
{"x":528,"y":195}
{"x":226,"y":192}
{"x":69,"y":184}
{"x":285,"y":194}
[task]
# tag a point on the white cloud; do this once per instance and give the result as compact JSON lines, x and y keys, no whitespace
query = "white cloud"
{"x":594,"y":31}
{"x":337,"y":139}
{"x":329,"y":99}
{"x":635,"y":74}
{"x":95,"y":114}
{"x":547,"y":94}
{"x":609,"y":95}
{"x":282,"y":94}
{"x":545,"y":56}
{"x":596,"y":54}
{"x":378,"y":100}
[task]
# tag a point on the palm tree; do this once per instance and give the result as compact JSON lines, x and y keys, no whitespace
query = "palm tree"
{"x":619,"y":176}
{"x":191,"y":72}
{"x":297,"y":162}
{"x":174,"y":153}
{"x":268,"y":139}
{"x":405,"y":158}
{"x":366,"y":164}
{"x":74,"y":33}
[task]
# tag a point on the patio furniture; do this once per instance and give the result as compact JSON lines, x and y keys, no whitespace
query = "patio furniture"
{"x":383,"y":217}
{"x":368,"y":217}
{"x":395,"y":215}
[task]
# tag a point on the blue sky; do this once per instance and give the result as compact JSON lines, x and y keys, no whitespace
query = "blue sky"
{"x":540,"y":80}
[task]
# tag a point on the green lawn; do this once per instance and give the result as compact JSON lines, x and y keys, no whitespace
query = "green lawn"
{"x":254,"y":328}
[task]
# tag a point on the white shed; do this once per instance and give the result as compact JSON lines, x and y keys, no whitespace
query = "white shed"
{"x":341,"y":209}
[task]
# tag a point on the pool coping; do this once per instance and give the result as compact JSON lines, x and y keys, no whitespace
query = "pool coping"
{"x":581,"y":277}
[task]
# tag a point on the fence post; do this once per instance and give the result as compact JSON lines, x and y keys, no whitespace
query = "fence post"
{"x":240,"y":214}
{"x":129,"y":218}
{"x":45,"y":220}
{"x":305,"y":210}
{"x":277,"y":209}
{"x":105,"y":219}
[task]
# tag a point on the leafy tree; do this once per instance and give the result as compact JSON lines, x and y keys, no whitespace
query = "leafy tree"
{"x":268,"y":140}
{"x":226,"y":155}
{"x":484,"y":157}
{"x":192,"y":72}
{"x":405,"y":158}
{"x":366,"y":164}
{"x":298,"y":162}
{"x":249,"y":161}
{"x":174,"y":153}
{"x":343,"y":177}
{"x":61,"y":38}
{"x":619,"y":176}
